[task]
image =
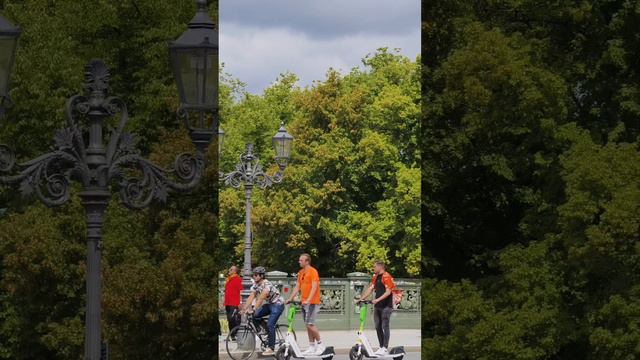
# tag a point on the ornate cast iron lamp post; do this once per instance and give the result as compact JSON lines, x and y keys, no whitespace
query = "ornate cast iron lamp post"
{"x":249,"y":173}
{"x":99,"y":168}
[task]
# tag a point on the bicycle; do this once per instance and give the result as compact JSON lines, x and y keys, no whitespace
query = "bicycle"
{"x":241,"y":340}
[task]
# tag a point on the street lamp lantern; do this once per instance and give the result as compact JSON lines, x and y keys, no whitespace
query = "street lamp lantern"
{"x":282,"y":142}
{"x":9,"y":34}
{"x":194,"y":60}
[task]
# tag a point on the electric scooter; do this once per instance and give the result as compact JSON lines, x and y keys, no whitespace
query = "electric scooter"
{"x":290,"y":347}
{"x":362,"y":348}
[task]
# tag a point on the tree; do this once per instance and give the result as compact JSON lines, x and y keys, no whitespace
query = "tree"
{"x":530,"y":166}
{"x":351,"y":191}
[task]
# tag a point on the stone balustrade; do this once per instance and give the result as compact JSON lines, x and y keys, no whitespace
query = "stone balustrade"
{"x":338,"y":310}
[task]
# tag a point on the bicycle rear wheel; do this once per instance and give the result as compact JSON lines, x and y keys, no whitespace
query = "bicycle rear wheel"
{"x":241,"y":342}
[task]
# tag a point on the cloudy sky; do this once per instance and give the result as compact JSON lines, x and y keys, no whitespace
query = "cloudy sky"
{"x":259,"y":39}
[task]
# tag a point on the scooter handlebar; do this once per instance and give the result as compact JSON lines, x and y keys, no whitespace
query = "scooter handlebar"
{"x":364,"y":302}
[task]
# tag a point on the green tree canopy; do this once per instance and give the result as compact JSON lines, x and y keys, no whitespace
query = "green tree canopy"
{"x":530,"y":164}
{"x":351,"y":192}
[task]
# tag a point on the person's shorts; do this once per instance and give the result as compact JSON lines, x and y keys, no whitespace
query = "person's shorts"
{"x":310,"y":313}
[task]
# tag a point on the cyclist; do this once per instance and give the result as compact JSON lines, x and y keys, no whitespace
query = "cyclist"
{"x":382,"y":283}
{"x":308,"y":285}
{"x":263,"y":291}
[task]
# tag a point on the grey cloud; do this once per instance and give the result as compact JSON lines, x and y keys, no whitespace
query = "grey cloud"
{"x":325,"y":18}
{"x":259,"y":39}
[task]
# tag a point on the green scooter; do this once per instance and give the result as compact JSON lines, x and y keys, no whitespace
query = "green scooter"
{"x":290,"y":347}
{"x":362,"y":348}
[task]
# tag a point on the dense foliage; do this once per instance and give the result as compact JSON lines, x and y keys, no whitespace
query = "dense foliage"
{"x":351,"y":193}
{"x":531,"y":179}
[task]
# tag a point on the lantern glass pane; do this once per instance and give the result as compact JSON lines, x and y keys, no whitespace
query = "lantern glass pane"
{"x":220,"y":140}
{"x":210,"y":94}
{"x":199,"y":75}
{"x":7,"y":48}
{"x":282,"y":147}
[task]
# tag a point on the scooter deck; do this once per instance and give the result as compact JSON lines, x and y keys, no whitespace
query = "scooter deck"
{"x":323,"y":356}
{"x":328,"y":353}
{"x":393,"y":353}
{"x":388,"y":356}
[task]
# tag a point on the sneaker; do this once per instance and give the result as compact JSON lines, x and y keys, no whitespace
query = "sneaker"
{"x":310,"y":350}
{"x":319,"y":349}
{"x":268,"y":352}
{"x":381,"y":351}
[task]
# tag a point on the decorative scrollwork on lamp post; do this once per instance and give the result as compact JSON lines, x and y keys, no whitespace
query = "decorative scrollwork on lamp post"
{"x":93,"y":165}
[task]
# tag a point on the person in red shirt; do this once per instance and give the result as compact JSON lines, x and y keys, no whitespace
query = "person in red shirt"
{"x":308,"y":285}
{"x":232,"y":288}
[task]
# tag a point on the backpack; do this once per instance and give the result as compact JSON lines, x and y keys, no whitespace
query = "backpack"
{"x":396,"y":293}
{"x":397,"y":297}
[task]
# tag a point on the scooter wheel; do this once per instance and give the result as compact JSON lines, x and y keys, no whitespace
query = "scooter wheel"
{"x":280,"y":354}
{"x":353,"y":353}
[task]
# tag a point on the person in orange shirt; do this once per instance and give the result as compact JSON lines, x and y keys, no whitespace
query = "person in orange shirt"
{"x":382,"y":284}
{"x":308,"y":285}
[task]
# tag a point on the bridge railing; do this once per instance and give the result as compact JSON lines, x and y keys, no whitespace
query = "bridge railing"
{"x":338,"y":310}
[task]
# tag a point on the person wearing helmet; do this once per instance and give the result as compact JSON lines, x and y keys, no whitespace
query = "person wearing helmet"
{"x":268,"y":302}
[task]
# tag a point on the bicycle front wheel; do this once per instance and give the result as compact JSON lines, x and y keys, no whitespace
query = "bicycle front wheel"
{"x":241,"y":342}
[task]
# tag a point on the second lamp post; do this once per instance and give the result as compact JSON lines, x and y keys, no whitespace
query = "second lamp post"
{"x":249,"y":173}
